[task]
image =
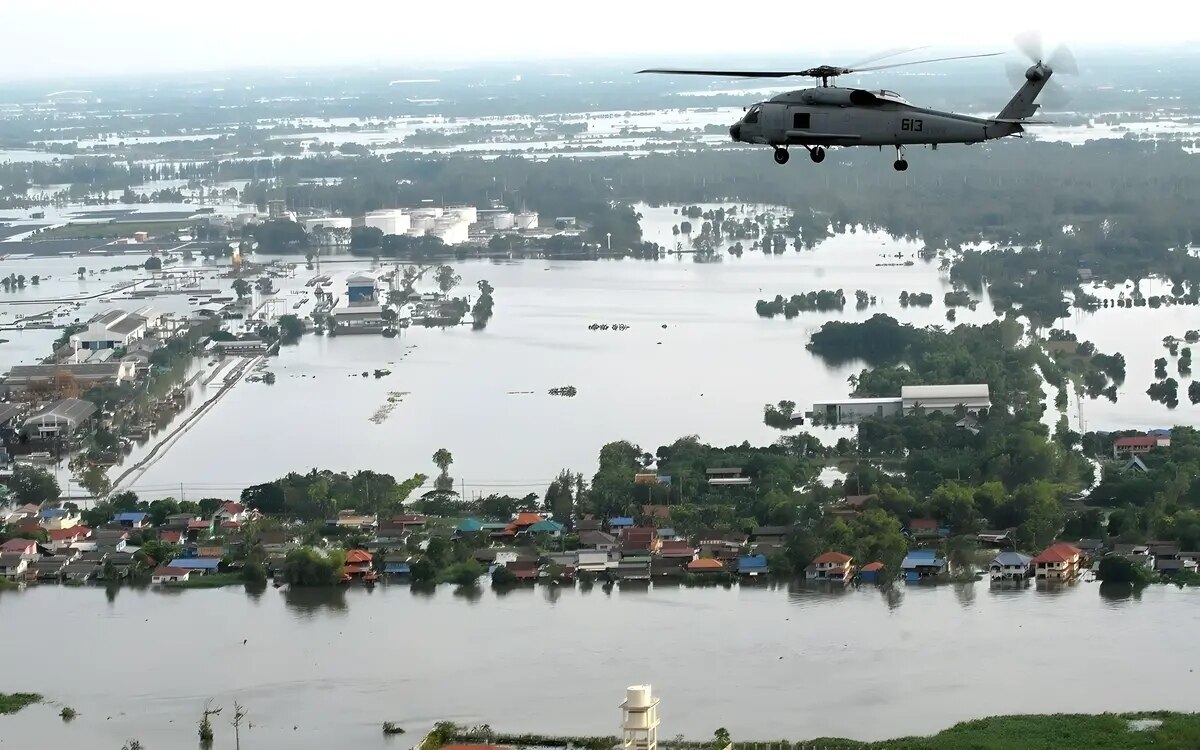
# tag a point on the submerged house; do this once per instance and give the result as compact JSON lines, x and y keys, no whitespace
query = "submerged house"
{"x":1010,"y":566}
{"x":872,"y":572}
{"x":1059,"y":562}
{"x":919,"y":564}
{"x":831,"y":566}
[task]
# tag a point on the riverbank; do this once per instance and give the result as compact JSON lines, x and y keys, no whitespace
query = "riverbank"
{"x":1117,"y":731}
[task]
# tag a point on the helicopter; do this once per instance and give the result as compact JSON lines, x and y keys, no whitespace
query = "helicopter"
{"x":829,"y":115}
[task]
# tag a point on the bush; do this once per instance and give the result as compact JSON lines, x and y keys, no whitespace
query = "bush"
{"x":67,"y":713}
{"x":307,"y":567}
{"x":1118,"y":569}
{"x":502,"y":576}
{"x":464,"y":573}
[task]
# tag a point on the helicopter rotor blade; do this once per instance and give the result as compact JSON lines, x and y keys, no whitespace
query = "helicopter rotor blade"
{"x":1055,"y":96}
{"x":1030,"y":43}
{"x":723,"y":73}
{"x":921,"y":62}
{"x":1062,"y":60}
{"x":1015,"y":72}
{"x":885,"y":55}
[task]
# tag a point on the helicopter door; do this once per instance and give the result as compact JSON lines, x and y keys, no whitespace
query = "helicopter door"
{"x":774,"y":123}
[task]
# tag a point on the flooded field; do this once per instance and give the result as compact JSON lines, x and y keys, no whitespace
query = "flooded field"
{"x":807,"y":663}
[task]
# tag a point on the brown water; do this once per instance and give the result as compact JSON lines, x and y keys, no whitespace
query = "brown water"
{"x":324,"y":669}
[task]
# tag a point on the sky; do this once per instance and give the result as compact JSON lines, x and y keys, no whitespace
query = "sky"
{"x":57,"y":38}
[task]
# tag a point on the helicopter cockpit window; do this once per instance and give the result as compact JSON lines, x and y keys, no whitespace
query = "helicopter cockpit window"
{"x":752,"y":116}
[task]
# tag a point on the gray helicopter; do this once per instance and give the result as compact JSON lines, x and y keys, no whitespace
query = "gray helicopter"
{"x":829,"y":115}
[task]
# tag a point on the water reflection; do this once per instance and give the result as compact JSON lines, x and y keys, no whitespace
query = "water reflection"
{"x":311,"y":601}
{"x":965,"y":593}
{"x":1120,"y":592}
{"x":472,"y":593}
{"x":893,"y":595}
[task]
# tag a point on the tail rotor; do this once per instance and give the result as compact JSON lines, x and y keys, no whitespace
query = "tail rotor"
{"x":1060,"y":61}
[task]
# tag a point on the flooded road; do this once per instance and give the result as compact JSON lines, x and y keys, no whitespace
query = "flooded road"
{"x":323,"y":669}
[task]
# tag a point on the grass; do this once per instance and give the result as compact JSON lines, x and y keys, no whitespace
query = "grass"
{"x":113,"y":231}
{"x":210,"y":581}
{"x":1040,"y":732}
{"x":10,"y":703}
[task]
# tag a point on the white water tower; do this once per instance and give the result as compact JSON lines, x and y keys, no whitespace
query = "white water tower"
{"x":639,"y":719}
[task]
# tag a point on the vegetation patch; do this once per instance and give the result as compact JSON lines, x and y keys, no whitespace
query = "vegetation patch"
{"x":10,"y":703}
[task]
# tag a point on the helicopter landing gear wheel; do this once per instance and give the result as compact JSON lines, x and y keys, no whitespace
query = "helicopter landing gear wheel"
{"x":817,"y":154}
{"x":781,"y":156}
{"x":901,"y":164}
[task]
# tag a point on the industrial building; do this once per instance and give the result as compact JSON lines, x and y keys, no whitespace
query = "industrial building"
{"x":58,"y":419}
{"x":973,"y":398}
{"x":114,"y":329}
{"x":25,"y":377}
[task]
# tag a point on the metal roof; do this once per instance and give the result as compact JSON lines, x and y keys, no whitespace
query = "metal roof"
{"x":1012,"y":559}
{"x":195,"y":563}
{"x":128,"y":324}
{"x":8,"y":411}
{"x":69,"y":410}
{"x":44,"y":371}
{"x":977,"y":390}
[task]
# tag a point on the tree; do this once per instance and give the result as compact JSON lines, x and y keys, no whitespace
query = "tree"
{"x":442,"y":459}
{"x":266,"y":498}
{"x":241,"y":287}
{"x":447,"y":279}
{"x":153,"y":263}
{"x":1120,"y":569}
{"x":30,"y":484}
{"x":81,"y":271}
{"x":560,"y":500}
{"x":35,"y":279}
{"x":95,"y":480}
{"x":307,"y":567}
{"x":721,"y":739}
{"x":291,"y":328}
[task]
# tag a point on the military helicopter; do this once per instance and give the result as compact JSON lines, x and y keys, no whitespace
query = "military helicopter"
{"x":830,"y":115}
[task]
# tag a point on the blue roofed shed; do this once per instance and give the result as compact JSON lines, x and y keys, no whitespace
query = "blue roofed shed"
{"x":752,"y":565}
{"x":131,"y":520}
{"x":202,"y":564}
{"x":922,"y":563}
{"x":49,"y":513}
{"x":470,"y":526}
{"x":620,"y":522}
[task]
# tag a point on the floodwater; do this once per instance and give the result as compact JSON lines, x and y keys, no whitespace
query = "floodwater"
{"x":322,"y":669}
{"x":482,"y":394}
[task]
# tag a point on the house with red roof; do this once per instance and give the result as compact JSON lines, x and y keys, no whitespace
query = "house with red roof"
{"x":924,"y":527}
{"x":640,"y":539}
{"x":358,"y":563}
{"x":1059,"y":562}
{"x":65,"y":538}
{"x":522,"y":523}
{"x":831,"y":566}
{"x":677,"y":549}
{"x":1137,"y":445}
{"x":23,"y":547}
{"x":872,"y":572}
{"x":171,"y":537}
{"x":706,"y":565}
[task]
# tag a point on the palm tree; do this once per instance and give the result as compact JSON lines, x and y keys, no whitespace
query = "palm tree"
{"x":81,"y":271}
{"x":442,"y":459}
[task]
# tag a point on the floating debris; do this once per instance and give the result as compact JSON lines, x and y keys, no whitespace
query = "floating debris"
{"x":394,"y":399}
{"x":566,"y":390}
{"x":379,"y":373}
{"x":520,"y":393}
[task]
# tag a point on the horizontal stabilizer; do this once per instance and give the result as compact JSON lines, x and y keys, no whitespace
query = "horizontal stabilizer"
{"x":1019,"y":121}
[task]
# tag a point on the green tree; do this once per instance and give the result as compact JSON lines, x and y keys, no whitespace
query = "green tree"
{"x":953,"y":503}
{"x":442,"y":459}
{"x":291,"y":328}
{"x":560,"y":497}
{"x":1120,"y":569}
{"x":81,"y":271}
{"x":721,"y":739}
{"x":241,"y":288}
{"x":29,"y":484}
{"x":153,"y":263}
{"x":307,"y":567}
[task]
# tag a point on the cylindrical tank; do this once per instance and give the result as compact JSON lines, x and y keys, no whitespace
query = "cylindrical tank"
{"x":527,"y":220}
{"x":503,"y":221}
{"x":637,"y":696}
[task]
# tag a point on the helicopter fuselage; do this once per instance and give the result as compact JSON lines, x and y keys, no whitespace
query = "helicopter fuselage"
{"x":836,"y":116}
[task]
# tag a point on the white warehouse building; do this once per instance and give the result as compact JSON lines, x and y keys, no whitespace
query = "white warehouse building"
{"x":973,"y":398}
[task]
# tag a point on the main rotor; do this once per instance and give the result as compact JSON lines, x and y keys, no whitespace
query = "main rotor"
{"x":823,"y":73}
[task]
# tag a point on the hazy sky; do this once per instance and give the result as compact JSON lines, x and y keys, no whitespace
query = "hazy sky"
{"x":64,"y":37}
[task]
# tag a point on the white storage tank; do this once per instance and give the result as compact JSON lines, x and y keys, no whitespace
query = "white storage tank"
{"x":468,"y":214}
{"x":527,"y":220}
{"x":388,"y":221}
{"x":503,"y":221}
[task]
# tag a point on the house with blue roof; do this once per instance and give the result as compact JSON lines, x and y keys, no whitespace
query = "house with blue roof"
{"x":620,"y":522}
{"x":57,"y":518}
{"x":546,"y":527}
{"x":201,"y":565}
{"x":396,"y":565}
{"x":132,"y":520}
{"x":470,"y":526}
{"x":752,"y":565}
{"x":922,"y":563}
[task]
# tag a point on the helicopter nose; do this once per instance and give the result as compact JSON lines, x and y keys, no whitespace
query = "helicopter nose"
{"x":735,"y":131}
